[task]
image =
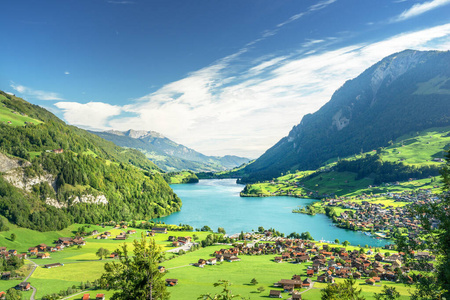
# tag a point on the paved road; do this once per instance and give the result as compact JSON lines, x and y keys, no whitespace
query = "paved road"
{"x":35,"y":265}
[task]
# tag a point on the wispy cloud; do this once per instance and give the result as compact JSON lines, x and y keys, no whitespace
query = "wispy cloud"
{"x":217,"y":111}
{"x":37,"y":94}
{"x":66,"y":73}
{"x":420,"y":8}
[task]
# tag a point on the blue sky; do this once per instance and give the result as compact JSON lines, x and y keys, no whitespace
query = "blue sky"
{"x":222,"y":77}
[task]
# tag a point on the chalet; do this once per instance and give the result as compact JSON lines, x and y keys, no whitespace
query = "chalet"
{"x":3,"y":250}
{"x":42,"y":247}
{"x":32,"y":250}
{"x":23,"y":286}
{"x":278,"y":259}
{"x":12,"y":252}
{"x":159,"y":230}
{"x":296,"y":296}
{"x":211,"y":261}
{"x":93,"y":233}
{"x":133,"y":231}
{"x":43,"y":255}
{"x":100,"y":297}
{"x":121,"y":237}
{"x":171,"y":282}
{"x":370,"y":281}
{"x":53,"y":265}
{"x":161,"y":269}
{"x":114,"y":255}
{"x":86,"y":297}
{"x":107,"y":233}
{"x":289,"y":282}
{"x":275,"y":294}
{"x":288,"y":288}
{"x":307,"y":282}
{"x":172,"y":238}
{"x":58,"y":151}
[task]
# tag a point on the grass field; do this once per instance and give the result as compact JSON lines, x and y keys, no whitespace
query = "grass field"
{"x":16,"y":119}
{"x":81,"y":265}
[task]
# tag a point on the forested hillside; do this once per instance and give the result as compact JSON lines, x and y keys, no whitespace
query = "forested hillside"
{"x":405,"y":92}
{"x":54,"y":174}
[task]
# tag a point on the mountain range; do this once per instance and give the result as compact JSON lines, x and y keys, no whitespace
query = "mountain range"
{"x":167,"y":154}
{"x":405,"y":92}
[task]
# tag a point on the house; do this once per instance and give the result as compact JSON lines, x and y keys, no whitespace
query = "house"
{"x":121,"y":237}
{"x":161,"y":269}
{"x":211,"y":261}
{"x":159,"y":230}
{"x":278,"y":259}
{"x":171,"y":282}
{"x":93,"y":233}
{"x":23,"y":286}
{"x":53,"y":265}
{"x":370,"y":281}
{"x":307,"y":282}
{"x":275,"y":294}
{"x":86,"y":297}
{"x":43,"y":255}
{"x":58,"y":151}
{"x":12,"y":252}
{"x":33,"y":250}
{"x":100,"y":297}
{"x":296,"y":296}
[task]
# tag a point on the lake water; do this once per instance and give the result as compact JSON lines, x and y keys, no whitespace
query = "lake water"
{"x":217,"y":203}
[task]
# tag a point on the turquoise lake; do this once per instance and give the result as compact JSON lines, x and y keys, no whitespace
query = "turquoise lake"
{"x":217,"y":203}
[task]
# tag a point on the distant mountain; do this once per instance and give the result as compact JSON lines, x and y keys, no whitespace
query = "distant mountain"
{"x":405,"y":92}
{"x":169,"y":155}
{"x":53,"y":174}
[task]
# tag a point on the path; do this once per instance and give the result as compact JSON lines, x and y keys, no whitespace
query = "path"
{"x":35,"y":265}
{"x":310,"y":287}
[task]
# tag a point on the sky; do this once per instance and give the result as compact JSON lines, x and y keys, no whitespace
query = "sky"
{"x":222,"y":77}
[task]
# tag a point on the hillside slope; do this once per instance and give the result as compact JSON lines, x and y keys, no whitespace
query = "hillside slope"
{"x":405,"y":92}
{"x":169,"y":155}
{"x":54,"y":174}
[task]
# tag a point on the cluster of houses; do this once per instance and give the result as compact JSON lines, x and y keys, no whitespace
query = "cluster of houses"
{"x":369,"y":216}
{"x":326,"y":263}
{"x":43,"y":251}
{"x":121,"y":236}
{"x":179,"y":241}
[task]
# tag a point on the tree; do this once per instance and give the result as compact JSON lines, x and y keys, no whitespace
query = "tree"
{"x":254,"y":281}
{"x":226,"y":294}
{"x":221,"y":230}
{"x":342,"y":291}
{"x":137,"y":276}
{"x":345,"y":243}
{"x":306,"y":236}
{"x":13,"y":294}
{"x":13,"y":237}
{"x":102,"y":252}
{"x":388,"y":293}
{"x":261,"y":289}
{"x":206,"y":228}
{"x":434,"y":217}
{"x":337,"y":241}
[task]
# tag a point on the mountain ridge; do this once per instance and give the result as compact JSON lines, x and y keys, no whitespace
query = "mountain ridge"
{"x":404,"y":92}
{"x":169,"y":155}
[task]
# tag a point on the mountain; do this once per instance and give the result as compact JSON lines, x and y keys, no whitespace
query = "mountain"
{"x":405,"y":92}
{"x":169,"y":155}
{"x":54,"y":174}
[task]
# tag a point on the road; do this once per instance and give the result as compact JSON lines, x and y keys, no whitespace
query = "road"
{"x":35,"y":265}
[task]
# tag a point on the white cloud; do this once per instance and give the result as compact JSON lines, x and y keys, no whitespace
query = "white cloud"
{"x":92,"y":115}
{"x":37,"y":94}
{"x":66,"y":73}
{"x":420,"y":8}
{"x":218,"y":111}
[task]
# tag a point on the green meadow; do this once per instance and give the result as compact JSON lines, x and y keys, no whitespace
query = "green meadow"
{"x":16,"y":119}
{"x":81,"y":265}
